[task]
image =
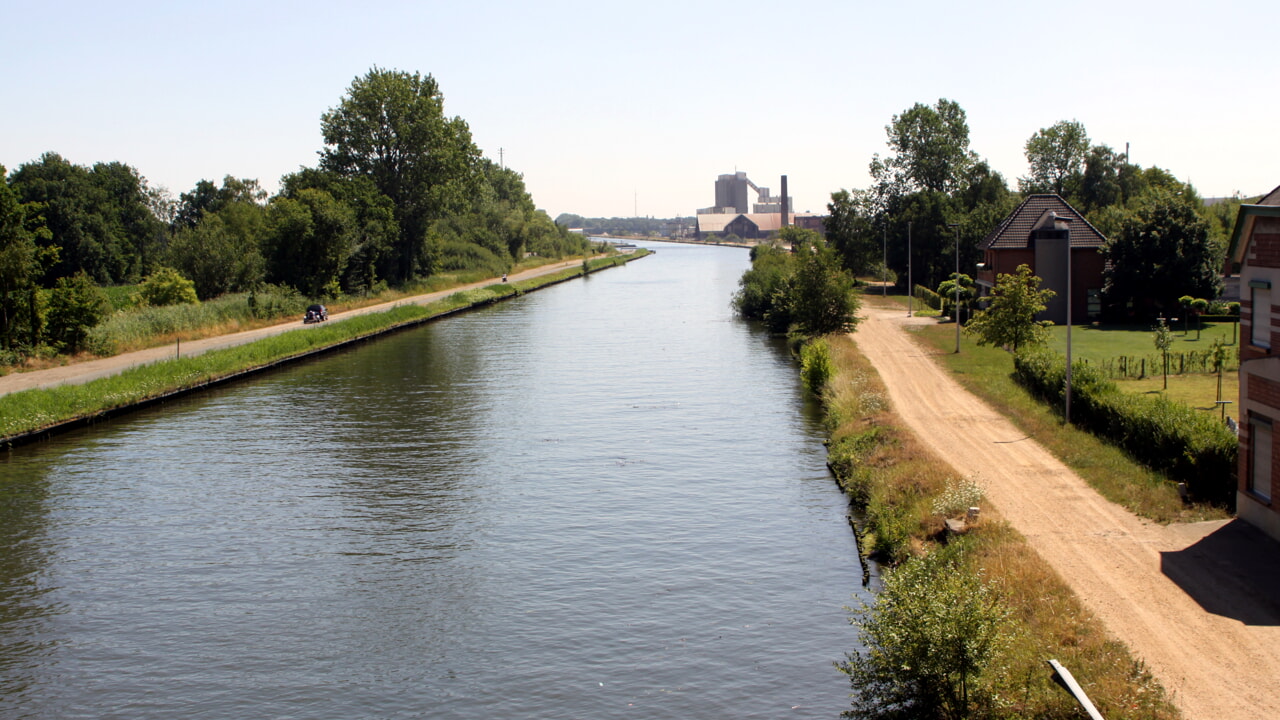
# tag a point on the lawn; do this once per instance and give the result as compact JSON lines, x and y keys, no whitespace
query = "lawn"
{"x":1096,"y":344}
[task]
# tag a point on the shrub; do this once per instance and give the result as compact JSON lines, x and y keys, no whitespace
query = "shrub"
{"x":928,"y":297}
{"x":76,"y":304}
{"x":167,"y":286}
{"x":934,"y":629}
{"x":815,"y":365}
{"x":1169,"y":437}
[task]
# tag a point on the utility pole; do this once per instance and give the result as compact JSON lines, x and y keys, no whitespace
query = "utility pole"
{"x":884,"y":263}
{"x":501,"y":162}
{"x":957,"y":306}
{"x":911,"y":290}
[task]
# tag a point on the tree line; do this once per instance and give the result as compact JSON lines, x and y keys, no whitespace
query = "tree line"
{"x":1163,"y":240}
{"x":401,"y":192}
{"x":629,"y":226}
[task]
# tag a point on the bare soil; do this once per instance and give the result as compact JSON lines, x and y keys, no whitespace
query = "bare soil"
{"x":1199,"y":603}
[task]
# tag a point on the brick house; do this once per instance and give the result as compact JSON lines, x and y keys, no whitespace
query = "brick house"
{"x":1255,"y":252}
{"x":1037,"y":234}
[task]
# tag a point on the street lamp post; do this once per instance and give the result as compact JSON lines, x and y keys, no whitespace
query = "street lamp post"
{"x":884,"y":263}
{"x":957,"y":305}
{"x":1067,"y":410}
{"x":911,"y":290}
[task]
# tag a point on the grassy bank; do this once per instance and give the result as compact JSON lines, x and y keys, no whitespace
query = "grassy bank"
{"x":904,"y":494}
{"x":32,"y":413}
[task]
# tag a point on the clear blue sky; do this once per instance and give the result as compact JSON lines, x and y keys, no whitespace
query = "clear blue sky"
{"x":613,"y":109}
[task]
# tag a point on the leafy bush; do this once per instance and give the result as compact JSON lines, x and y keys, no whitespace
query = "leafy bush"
{"x":1186,"y":445}
{"x":76,"y":305}
{"x":167,"y":286}
{"x":932,"y":632}
{"x":815,"y":365}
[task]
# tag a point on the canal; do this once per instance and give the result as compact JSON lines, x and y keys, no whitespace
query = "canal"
{"x":604,"y":499}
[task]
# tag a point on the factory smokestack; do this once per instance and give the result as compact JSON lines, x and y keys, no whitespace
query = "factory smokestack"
{"x":786,"y":205}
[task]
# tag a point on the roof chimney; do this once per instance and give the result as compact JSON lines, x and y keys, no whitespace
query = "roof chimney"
{"x":786,"y":206}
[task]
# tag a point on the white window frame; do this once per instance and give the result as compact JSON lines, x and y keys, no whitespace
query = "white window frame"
{"x":1260,"y":314}
{"x":1260,"y":440}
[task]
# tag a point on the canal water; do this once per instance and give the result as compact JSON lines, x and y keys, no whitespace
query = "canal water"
{"x":604,"y":499}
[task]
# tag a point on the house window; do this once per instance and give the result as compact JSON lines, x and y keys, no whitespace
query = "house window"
{"x":1260,"y":457}
{"x":1260,"y":315}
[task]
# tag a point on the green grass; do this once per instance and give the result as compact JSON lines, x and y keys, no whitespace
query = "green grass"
{"x":39,"y":409}
{"x":1197,"y":390}
{"x":1104,"y":342}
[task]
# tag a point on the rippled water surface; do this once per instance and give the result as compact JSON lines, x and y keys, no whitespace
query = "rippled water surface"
{"x":604,"y":499}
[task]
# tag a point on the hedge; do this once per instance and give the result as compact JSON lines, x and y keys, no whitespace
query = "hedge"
{"x":1186,"y":445}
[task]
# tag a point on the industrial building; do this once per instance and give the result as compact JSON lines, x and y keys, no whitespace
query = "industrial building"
{"x":734,"y":214}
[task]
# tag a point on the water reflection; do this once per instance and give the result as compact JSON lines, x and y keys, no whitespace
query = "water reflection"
{"x":605,"y":497}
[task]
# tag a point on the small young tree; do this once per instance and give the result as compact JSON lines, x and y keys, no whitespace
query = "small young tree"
{"x":947,"y":291}
{"x":1163,"y":341}
{"x":933,"y":630}
{"x":1199,"y":306}
{"x":75,"y":306}
{"x":1010,"y":319}
{"x":1218,"y":355}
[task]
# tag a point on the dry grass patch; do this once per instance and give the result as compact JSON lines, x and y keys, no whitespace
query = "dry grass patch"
{"x":904,"y":493}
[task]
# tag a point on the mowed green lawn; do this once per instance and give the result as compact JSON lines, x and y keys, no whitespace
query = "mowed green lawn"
{"x":1199,"y":390}
{"x":1097,"y":344}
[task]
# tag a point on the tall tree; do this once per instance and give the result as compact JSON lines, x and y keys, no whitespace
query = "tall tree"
{"x":19,"y":267}
{"x":391,"y":127}
{"x":310,"y":241}
{"x":1161,"y":253}
{"x":931,"y":150}
{"x":851,"y":228}
{"x":206,"y":197}
{"x":375,"y":231}
{"x":1057,"y":158}
{"x":99,"y":219}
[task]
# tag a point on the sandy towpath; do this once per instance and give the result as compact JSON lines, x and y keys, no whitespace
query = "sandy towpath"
{"x":1198,"y":603}
{"x":104,"y":367}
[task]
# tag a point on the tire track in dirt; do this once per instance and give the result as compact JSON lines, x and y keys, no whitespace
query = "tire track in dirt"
{"x":1213,"y":664}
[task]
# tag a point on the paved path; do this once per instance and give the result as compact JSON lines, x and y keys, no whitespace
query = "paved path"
{"x":1199,"y":603}
{"x":104,"y":367}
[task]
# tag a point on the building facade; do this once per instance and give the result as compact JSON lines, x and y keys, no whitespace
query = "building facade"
{"x":1255,"y":252}
{"x":1038,"y":234}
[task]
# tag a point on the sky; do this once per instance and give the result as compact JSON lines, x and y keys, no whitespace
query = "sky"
{"x":633,"y":109}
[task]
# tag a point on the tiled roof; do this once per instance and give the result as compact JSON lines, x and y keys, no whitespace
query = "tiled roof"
{"x":1015,"y":230}
{"x":1271,"y":198}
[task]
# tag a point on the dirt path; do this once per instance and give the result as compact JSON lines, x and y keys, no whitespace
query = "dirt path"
{"x":104,"y":367}
{"x":1199,"y":603}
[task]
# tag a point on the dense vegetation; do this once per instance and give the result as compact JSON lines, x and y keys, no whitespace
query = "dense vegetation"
{"x":627,"y":226}
{"x":803,"y":291}
{"x":401,"y":193}
{"x":1164,"y":242}
{"x":1185,"y":444}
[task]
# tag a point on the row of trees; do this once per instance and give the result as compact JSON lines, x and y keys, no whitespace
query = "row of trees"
{"x":1163,"y":241}
{"x":632,"y":226}
{"x":401,"y":192}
